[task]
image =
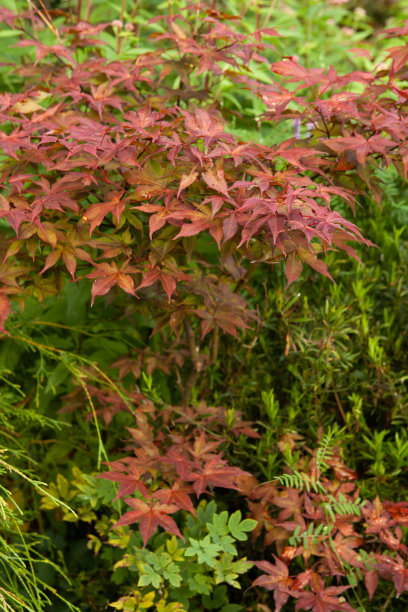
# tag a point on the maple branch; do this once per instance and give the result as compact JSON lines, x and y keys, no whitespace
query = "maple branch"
{"x":79,"y":10}
{"x":214,"y":345}
{"x":225,"y":47}
{"x":234,"y":375}
{"x":21,"y":28}
{"x":106,"y":180}
{"x":193,"y":348}
{"x":324,"y":123}
{"x":194,"y":353}
{"x":188,"y":387}
{"x":121,"y":18}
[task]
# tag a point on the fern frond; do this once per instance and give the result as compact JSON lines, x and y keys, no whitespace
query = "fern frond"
{"x":344,"y":507}
{"x":300,"y":481}
{"x":310,"y":535}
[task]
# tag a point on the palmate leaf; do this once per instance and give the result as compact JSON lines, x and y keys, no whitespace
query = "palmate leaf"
{"x":178,"y":495}
{"x":227,"y":570}
{"x":321,"y":599}
{"x":129,"y":481}
{"x":205,"y":550}
{"x":217,"y":473}
{"x":96,"y":213}
{"x":108,"y":275}
{"x":150,"y":516}
{"x":275,"y":579}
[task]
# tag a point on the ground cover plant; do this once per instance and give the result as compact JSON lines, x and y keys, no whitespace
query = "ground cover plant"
{"x":160,"y":350}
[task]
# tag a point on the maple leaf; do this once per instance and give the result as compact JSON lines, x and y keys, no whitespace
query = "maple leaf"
{"x":378,"y":519}
{"x":216,"y":473}
{"x":399,"y":573}
{"x":203,"y":125}
{"x":8,"y":17}
{"x":215,"y":179}
{"x":177,"y":495}
{"x":360,"y":145}
{"x":230,"y":226}
{"x":186,"y":180}
{"x":102,"y":95}
{"x":290,"y":501}
{"x":314,"y":262}
{"x":322,"y":599}
{"x":150,"y":516}
{"x":149,"y":181}
{"x":275,"y":579}
{"x":41,"y":50}
{"x":398,"y":511}
{"x":399,"y":56}
{"x":203,"y":448}
{"x":294,"y":268}
{"x":128,"y":481}
{"x":345,"y":551}
{"x":225,"y":318}
{"x":5,"y":309}
{"x":69,"y":254}
{"x":15,"y":141}
{"x":182,"y":464}
{"x":108,"y":275}
{"x":96,"y":213}
{"x":296,"y":72}
{"x":166,"y":278}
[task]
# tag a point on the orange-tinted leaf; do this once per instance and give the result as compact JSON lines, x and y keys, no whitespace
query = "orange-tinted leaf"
{"x":215,"y":179}
{"x":5,"y":309}
{"x":186,"y":180}
{"x":294,"y":268}
{"x":96,"y":213}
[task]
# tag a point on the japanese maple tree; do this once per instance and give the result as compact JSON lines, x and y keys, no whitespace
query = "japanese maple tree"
{"x":123,"y":173}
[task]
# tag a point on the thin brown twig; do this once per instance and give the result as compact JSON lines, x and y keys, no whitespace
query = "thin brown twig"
{"x":340,"y":406}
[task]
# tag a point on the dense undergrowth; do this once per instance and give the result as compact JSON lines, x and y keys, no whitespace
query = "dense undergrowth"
{"x":187,"y":422}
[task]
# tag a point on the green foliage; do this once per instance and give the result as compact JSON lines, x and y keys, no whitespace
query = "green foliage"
{"x":22,"y":554}
{"x":190,"y":572}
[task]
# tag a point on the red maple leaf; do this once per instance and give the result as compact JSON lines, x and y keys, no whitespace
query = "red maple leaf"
{"x":360,"y":145}
{"x":215,"y":179}
{"x":5,"y":309}
{"x":398,"y":511}
{"x":107,"y":275}
{"x":216,"y":473}
{"x":177,"y":495}
{"x":150,"y":516}
{"x":203,"y":125}
{"x":96,"y":213}
{"x":291,"y":503}
{"x":321,"y":599}
{"x":399,"y":56}
{"x":394,"y":568}
{"x":41,"y":50}
{"x":276,"y":579}
{"x":129,"y":477}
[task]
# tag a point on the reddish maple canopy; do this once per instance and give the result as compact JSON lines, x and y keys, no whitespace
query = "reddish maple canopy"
{"x":110,"y":172}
